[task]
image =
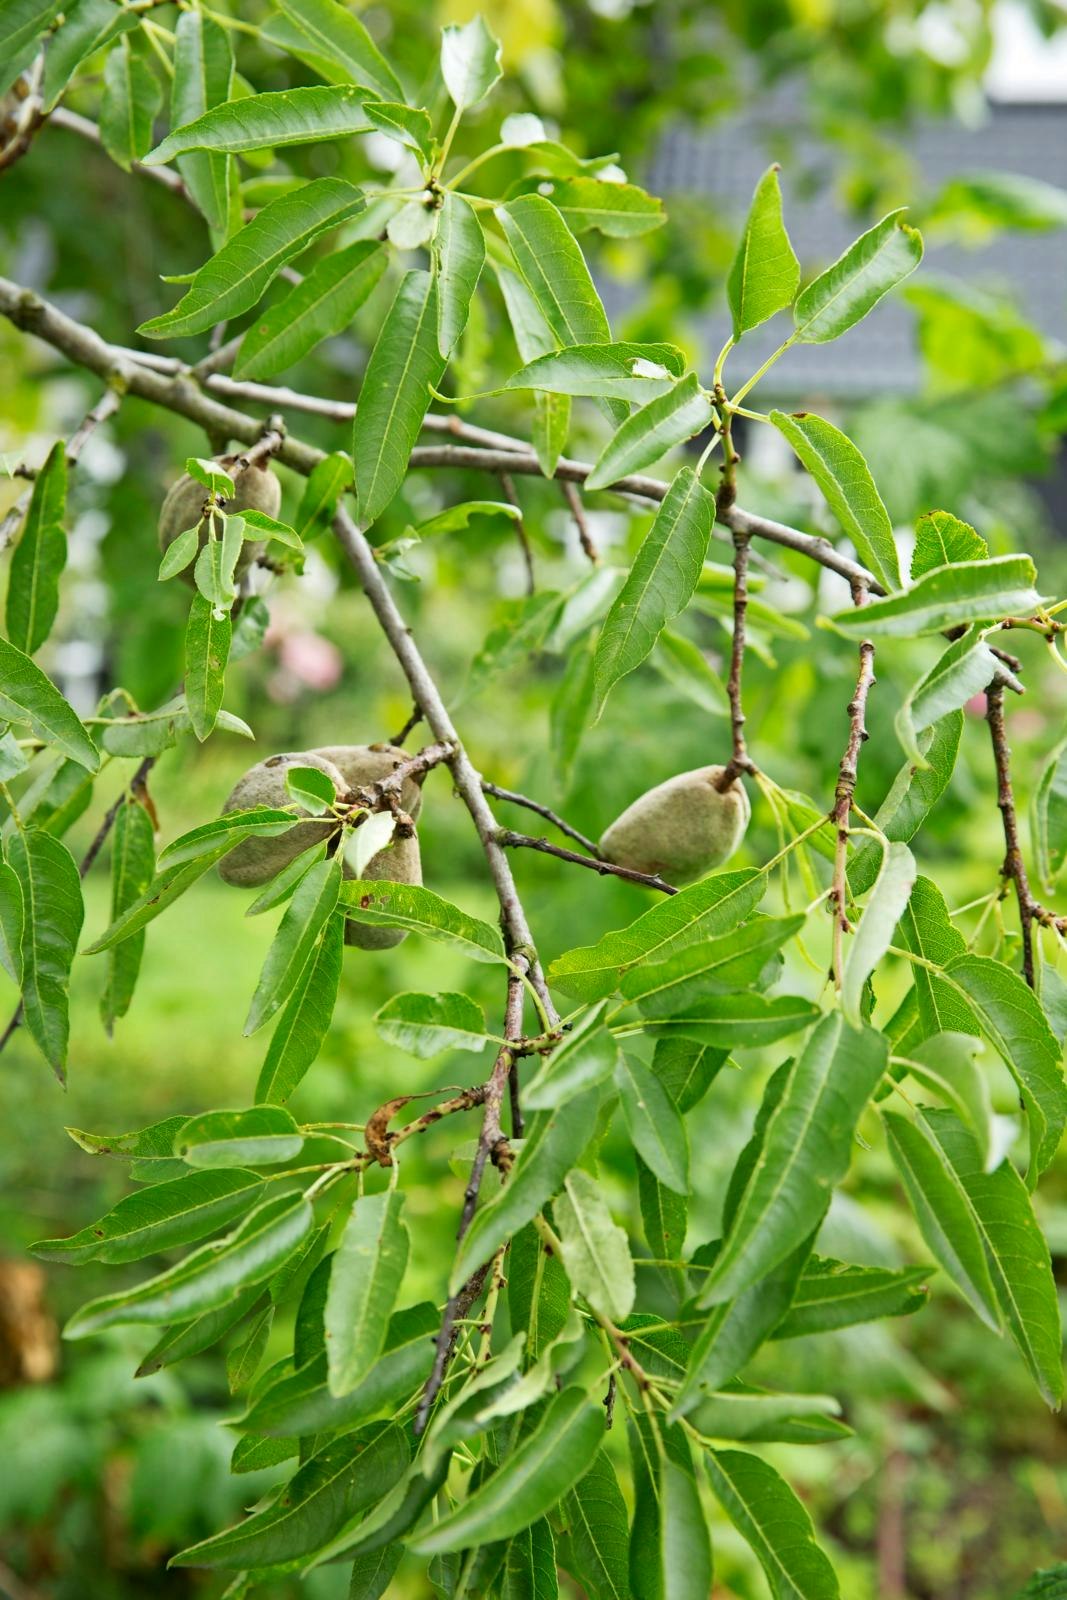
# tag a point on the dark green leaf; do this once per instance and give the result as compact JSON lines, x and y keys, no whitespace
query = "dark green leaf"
{"x":550,"y":260}
{"x":133,"y":859}
{"x":305,"y":1021}
{"x":131,"y":100}
{"x":972,"y":591}
{"x":846,"y":483}
{"x":261,"y":1136}
{"x":530,"y":1481}
{"x":404,"y":365}
{"x":203,"y":79}
{"x":323,"y":304}
{"x":806,"y":1150}
{"x":209,"y":1279}
{"x":314,"y":900}
{"x":774,"y":1523}
{"x":26,"y":695}
{"x":596,"y":1255}
{"x":346,"y":1477}
{"x":685,"y":410}
{"x":654,"y":1124}
{"x":207,"y":649}
{"x":53,"y":912}
{"x":584,"y":1057}
{"x":836,"y":1294}
{"x":712,"y":906}
{"x":942,"y":539}
{"x":39,"y":557}
{"x":330,"y":32}
{"x":237,"y":276}
{"x":426,"y":1024}
{"x":368,"y":1269}
{"x":266,"y":121}
{"x":401,"y":905}
{"x":158,"y":1218}
{"x":594,"y":1550}
{"x":459,"y":247}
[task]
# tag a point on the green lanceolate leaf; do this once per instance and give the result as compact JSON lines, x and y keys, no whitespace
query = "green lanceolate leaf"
{"x":53,"y":912}
{"x":684,"y":411}
{"x":131,"y":99}
{"x":617,"y":210}
{"x":368,"y":1269}
{"x":39,"y":557}
{"x":734,"y":960}
{"x":401,"y":905}
{"x":765,"y":273}
{"x":158,"y":1218}
{"x":331,"y":33}
{"x":926,"y":930}
{"x":712,"y":906}
{"x":943,"y":1211}
{"x":1018,"y":1254}
{"x":584,"y":1057}
{"x":306,"y":915}
{"x":806,"y":1150}
{"x":636,"y":373}
{"x":551,"y":262}
{"x":426,"y":1024}
{"x":972,"y":591}
{"x":323,"y":304}
{"x":529,"y":1482}
{"x":133,"y":859}
{"x":203,"y":79}
{"x":212,"y":1277}
{"x":738,"y":1021}
{"x":653,"y":1123}
{"x":267,"y":121}
{"x":305,"y":1020}
{"x":470,"y":62}
{"x":596,"y":1255}
{"x":758,"y":1415}
{"x":947,"y":1065}
{"x":593,"y":1549}
{"x":21,"y":21}
{"x":258,"y":1137}
{"x":12,"y":922}
{"x":842,"y":295}
{"x":660,"y":584}
{"x":343,"y":1479}
{"x":533,"y":337}
{"x":912,"y":796}
{"x":300,"y":1403}
{"x":876,"y":926}
{"x":238,"y":275}
{"x":459,"y":248}
{"x":846,"y":483}
{"x":836,"y":1294}
{"x":1011,"y":1017}
{"x":1048,"y":816}
{"x":230,"y":830}
{"x":530,"y":1564}
{"x":941,"y":540}
{"x":207,"y":650}
{"x":539,"y":1296}
{"x":404,"y":365}
{"x":164,"y":889}
{"x":774,"y":1523}
{"x":27,"y":696}
{"x":553,"y":1146}
{"x":967,"y":667}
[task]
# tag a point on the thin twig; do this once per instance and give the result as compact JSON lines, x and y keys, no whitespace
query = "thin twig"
{"x":492,"y":1146}
{"x":574,"y":500}
{"x":844,"y":793}
{"x":507,"y":485}
{"x":739,"y":761}
{"x":1014,"y":866}
{"x":556,"y":820}
{"x":606,"y":869}
{"x":410,"y":725}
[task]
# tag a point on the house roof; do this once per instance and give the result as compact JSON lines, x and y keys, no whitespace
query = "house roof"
{"x":725,"y":161}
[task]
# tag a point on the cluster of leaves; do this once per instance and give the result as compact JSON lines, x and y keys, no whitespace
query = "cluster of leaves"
{"x":513,"y":1472}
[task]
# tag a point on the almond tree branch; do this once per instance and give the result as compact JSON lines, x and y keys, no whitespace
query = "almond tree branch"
{"x":492,"y":1146}
{"x":845,"y":792}
{"x":605,"y":869}
{"x":557,"y":821}
{"x":1013,"y":869}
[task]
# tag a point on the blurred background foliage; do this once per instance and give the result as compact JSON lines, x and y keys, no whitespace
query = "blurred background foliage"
{"x":955,"y":1482}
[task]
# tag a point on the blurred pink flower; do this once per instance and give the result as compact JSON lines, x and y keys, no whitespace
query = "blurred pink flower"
{"x":311,"y":659}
